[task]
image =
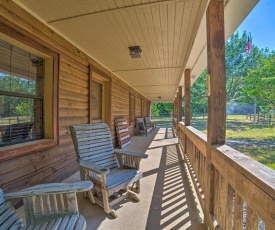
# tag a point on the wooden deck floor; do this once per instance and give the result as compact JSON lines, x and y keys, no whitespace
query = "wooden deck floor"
{"x":168,"y":200}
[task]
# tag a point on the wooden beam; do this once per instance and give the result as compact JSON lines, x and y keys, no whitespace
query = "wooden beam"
{"x":177,"y":108}
{"x":187,"y":98}
{"x":174,"y":109}
{"x":90,"y":117}
{"x":216,"y":94}
{"x":180,"y":104}
{"x":216,"y":71}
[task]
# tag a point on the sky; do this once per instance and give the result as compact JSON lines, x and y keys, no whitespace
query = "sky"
{"x":261,"y":24}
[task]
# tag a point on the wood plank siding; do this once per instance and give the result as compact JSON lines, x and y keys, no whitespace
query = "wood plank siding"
{"x":57,"y":163}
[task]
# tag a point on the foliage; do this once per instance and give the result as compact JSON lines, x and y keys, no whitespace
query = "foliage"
{"x":24,"y":108}
{"x":16,"y":105}
{"x":236,"y":64}
{"x":247,"y":76}
{"x":16,"y":84}
{"x":161,"y":108}
{"x":199,"y":95}
{"x":260,"y":83}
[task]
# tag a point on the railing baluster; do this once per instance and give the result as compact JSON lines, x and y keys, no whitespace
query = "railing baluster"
{"x":41,"y":204}
{"x":62,"y":203}
{"x":251,"y":219}
{"x":55,"y":203}
{"x":238,"y":212}
{"x":229,"y":208}
{"x":48,"y":203}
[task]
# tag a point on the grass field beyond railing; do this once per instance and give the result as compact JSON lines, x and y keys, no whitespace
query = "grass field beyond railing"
{"x":162,"y":120}
{"x":255,"y":140}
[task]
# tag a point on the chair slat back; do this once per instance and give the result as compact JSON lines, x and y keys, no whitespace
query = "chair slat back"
{"x":140,"y":120}
{"x":2,"y":199}
{"x":140,"y":124}
{"x":147,"y":120}
{"x":93,"y":143}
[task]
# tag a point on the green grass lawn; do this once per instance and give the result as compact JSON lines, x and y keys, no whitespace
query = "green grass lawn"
{"x":240,"y":128}
{"x":163,"y":120}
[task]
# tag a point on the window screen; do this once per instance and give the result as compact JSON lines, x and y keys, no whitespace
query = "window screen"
{"x":21,"y":95}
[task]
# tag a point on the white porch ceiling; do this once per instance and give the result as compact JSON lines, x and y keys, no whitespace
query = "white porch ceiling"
{"x":104,"y":29}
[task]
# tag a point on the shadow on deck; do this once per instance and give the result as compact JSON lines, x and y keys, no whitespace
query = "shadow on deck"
{"x":167,"y":198}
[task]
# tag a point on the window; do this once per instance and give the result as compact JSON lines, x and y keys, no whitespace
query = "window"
{"x":100,"y":97}
{"x":28,"y":97}
{"x":21,"y":95}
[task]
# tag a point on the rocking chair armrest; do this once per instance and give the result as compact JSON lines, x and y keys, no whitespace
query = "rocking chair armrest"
{"x":129,"y":153}
{"x":93,"y":167}
{"x":51,"y":188}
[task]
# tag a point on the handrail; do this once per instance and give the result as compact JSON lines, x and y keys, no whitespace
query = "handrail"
{"x":261,"y":175}
{"x":238,"y":182}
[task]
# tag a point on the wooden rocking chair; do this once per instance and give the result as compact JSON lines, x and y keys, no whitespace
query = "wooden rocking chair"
{"x":47,"y":206}
{"x":141,"y":127}
{"x":112,"y":171}
{"x":149,"y":123}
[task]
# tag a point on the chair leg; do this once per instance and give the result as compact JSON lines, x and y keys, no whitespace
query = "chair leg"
{"x":133,"y":196}
{"x":138,"y":186}
{"x":135,"y":187}
{"x":91,"y":196}
{"x":83,"y":178}
{"x":106,"y":204}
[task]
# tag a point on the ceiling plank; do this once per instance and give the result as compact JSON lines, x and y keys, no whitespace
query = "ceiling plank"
{"x":105,"y":10}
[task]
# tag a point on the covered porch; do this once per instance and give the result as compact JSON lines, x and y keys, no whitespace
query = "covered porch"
{"x":87,"y":52}
{"x":168,"y":199}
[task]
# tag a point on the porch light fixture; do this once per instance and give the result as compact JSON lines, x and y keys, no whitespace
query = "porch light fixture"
{"x":135,"y":51}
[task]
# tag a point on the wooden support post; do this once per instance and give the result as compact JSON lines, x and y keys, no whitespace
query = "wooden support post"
{"x":90,"y":97}
{"x":187,"y":104}
{"x":180,"y":104}
{"x":174,"y":116}
{"x":177,"y":107}
{"x":187,"y":98}
{"x":216,"y":93}
{"x":179,"y":100}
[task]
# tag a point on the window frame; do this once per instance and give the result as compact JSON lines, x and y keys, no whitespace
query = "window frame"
{"x":51,"y":137}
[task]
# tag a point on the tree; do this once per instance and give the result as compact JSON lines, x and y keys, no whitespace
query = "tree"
{"x":199,"y":94}
{"x":247,"y":76}
{"x":260,"y":82}
{"x":16,"y":105}
{"x":161,"y":108}
{"x":237,"y":63}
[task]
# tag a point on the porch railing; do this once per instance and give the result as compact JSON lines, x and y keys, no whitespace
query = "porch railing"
{"x":244,"y":189}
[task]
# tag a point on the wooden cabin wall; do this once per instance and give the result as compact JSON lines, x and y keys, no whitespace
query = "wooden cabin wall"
{"x":120,"y":103}
{"x":145,"y":109}
{"x":59,"y":162}
{"x":138,"y":108}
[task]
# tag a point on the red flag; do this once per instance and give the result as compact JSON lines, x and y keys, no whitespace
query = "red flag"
{"x":248,"y":44}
